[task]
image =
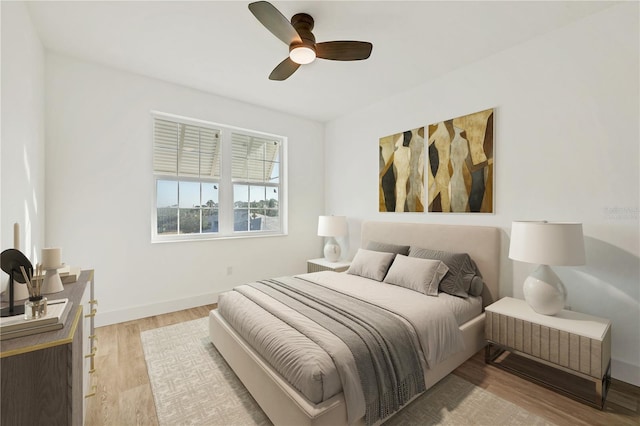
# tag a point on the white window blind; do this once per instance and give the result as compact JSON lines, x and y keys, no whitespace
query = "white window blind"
{"x":255,"y":159}
{"x":185,"y":150}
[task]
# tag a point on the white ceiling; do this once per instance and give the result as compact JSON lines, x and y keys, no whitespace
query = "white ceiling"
{"x":219,"y":47}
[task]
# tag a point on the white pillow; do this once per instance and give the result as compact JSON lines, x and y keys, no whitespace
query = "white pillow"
{"x":371,"y":264}
{"x":414,"y":273}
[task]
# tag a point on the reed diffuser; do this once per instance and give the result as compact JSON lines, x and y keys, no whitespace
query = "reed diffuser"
{"x":36,"y":306}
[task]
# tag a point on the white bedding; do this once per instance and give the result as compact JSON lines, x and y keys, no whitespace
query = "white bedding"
{"x":309,"y":368}
{"x":296,"y":357}
{"x":462,"y":309}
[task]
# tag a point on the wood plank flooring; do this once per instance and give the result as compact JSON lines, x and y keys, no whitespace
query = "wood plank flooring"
{"x":124,"y":395}
{"x":622,"y":406}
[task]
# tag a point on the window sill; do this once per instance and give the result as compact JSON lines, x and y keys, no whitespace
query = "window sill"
{"x":198,"y":238}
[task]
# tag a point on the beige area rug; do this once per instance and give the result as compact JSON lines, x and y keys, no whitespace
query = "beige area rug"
{"x":193,"y":385}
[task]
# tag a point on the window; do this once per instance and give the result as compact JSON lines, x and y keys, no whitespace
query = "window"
{"x":215,"y":181}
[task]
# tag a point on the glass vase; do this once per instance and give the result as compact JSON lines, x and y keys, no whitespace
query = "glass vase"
{"x":35,"y":307}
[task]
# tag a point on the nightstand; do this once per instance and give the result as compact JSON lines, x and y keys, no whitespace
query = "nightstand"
{"x":568,"y":352}
{"x":321,"y":264}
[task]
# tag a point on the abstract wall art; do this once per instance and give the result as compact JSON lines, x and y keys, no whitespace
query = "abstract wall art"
{"x":460,"y":164}
{"x":401,"y":179}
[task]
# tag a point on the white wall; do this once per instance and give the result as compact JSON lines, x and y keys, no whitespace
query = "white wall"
{"x":22,"y":135}
{"x":100,"y":191}
{"x":566,"y":149}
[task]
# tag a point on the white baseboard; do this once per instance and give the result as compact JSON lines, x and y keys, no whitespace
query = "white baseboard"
{"x":625,"y":372}
{"x":144,"y":311}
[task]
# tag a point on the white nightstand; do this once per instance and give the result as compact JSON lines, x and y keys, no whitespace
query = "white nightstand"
{"x":577,"y":347}
{"x":321,"y":264}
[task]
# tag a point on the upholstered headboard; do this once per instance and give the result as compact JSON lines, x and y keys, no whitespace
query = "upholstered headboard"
{"x":482,"y":243}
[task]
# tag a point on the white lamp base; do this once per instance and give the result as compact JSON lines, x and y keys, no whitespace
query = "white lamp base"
{"x":544,"y":291}
{"x":332,"y":250}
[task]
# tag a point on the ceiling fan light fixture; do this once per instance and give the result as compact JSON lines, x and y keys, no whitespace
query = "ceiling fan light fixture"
{"x":298,"y":36}
{"x":302,"y":55}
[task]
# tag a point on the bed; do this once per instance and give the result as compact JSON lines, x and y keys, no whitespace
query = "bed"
{"x":300,"y":403}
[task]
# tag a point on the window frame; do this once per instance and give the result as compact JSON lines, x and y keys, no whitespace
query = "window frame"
{"x":225,"y":184}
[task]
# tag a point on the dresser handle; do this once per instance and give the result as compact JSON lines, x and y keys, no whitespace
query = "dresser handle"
{"x":92,"y":314}
{"x":94,"y":388}
{"x":94,"y":301}
{"x":93,"y":370}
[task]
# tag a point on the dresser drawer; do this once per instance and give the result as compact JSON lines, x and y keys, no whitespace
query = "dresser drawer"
{"x":579,"y":353}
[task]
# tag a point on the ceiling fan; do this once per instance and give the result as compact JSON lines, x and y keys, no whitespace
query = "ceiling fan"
{"x":303,"y":48}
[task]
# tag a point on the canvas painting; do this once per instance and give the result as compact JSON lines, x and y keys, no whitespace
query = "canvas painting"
{"x":461,"y":164}
{"x":401,"y":179}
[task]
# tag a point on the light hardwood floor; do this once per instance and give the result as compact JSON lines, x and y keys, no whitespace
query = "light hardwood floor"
{"x":124,"y":394}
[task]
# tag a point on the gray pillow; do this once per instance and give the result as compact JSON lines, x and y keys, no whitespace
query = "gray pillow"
{"x":389,"y":248}
{"x":371,"y":264}
{"x":422,"y":275}
{"x":463,"y":272}
{"x":477,"y":284}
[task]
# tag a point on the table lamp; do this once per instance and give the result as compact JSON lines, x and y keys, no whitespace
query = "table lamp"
{"x":546,"y":243}
{"x":332,"y":226}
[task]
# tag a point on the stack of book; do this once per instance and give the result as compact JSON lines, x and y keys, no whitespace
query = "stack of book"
{"x":69,"y":274}
{"x":17,"y":326}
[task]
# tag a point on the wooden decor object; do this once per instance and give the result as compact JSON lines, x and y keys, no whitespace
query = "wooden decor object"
{"x":46,"y":377}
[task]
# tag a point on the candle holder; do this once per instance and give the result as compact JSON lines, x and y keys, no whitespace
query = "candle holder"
{"x":52,"y":281}
{"x":35,"y":307}
{"x":51,"y":263}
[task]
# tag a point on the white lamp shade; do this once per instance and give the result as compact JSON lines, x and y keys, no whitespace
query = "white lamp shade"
{"x":547,"y":243}
{"x":332,"y":226}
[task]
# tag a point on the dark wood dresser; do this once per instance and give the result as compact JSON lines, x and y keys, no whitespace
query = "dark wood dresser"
{"x":47,"y":377}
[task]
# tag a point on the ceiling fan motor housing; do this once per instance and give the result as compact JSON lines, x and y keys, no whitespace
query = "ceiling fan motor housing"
{"x":303,"y":24}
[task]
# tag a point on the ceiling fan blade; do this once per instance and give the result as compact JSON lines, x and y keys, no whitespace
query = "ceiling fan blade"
{"x":274,"y":21}
{"x":344,"y":50}
{"x":284,"y":70}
